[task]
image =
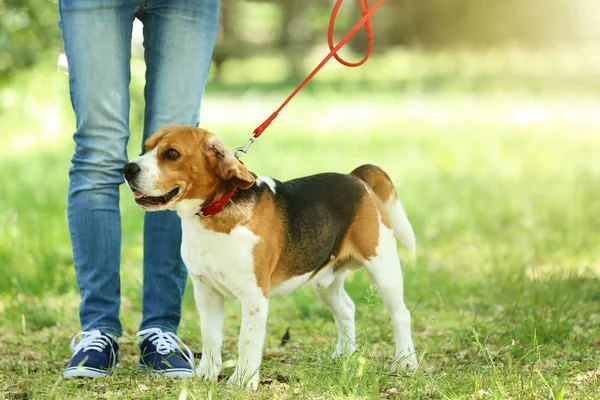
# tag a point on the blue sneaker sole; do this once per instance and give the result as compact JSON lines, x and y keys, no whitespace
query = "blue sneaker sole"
{"x":171,"y":372}
{"x":85,"y":372}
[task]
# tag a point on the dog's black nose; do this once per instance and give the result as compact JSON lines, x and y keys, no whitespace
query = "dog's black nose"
{"x":131,"y":170}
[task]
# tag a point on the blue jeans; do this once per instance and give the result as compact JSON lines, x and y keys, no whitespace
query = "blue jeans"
{"x":179,"y":37}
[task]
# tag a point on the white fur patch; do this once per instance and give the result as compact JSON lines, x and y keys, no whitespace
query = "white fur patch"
{"x":268,"y":181}
{"x":401,"y":225}
{"x":322,"y":280}
{"x":287,"y":287}
{"x":188,"y":208}
{"x":224,"y":261}
{"x":147,"y":179}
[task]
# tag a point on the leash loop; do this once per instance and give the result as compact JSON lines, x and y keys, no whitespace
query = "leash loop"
{"x":364,"y":9}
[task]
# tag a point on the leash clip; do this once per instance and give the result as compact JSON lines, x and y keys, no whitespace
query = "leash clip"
{"x":243,"y":149}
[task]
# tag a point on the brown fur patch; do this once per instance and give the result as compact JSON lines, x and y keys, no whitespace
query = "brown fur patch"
{"x":153,"y":140}
{"x":227,"y":219}
{"x":386,"y":219}
{"x":363,"y":236}
{"x":268,"y":225}
{"x":377,"y":179}
{"x":193,"y":170}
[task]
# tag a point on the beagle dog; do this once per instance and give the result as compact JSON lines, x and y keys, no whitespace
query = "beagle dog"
{"x":254,"y":237}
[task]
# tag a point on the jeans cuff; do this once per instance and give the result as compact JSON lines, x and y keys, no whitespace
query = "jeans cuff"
{"x":108,"y":330}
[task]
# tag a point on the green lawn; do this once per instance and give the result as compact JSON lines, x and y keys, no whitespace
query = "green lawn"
{"x":503,"y":193}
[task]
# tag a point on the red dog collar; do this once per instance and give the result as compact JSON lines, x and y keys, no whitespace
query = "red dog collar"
{"x":217,"y":206}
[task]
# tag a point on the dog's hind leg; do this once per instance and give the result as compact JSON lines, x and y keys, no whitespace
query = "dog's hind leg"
{"x":335,"y":297}
{"x":386,"y":273}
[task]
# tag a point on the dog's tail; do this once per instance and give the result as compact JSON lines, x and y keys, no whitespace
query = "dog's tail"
{"x":382,"y":186}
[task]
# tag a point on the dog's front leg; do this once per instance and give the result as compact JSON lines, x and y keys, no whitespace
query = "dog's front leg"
{"x":255,"y":310}
{"x":210,"y":307}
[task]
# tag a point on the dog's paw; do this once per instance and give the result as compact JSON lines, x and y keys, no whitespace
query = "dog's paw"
{"x":343,"y":352}
{"x":208,"y":369}
{"x":405,"y":361}
{"x":244,"y":380}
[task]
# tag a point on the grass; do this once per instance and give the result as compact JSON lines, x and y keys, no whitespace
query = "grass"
{"x":502,"y":190}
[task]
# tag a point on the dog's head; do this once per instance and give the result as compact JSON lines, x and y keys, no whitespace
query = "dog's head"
{"x":184,"y":163}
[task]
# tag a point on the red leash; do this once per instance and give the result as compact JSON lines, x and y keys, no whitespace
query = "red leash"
{"x":365,"y":20}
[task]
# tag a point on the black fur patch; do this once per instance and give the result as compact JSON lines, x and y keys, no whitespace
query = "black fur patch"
{"x":319,"y":209}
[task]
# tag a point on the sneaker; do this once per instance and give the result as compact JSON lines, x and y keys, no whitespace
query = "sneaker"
{"x":94,"y":356}
{"x":162,"y":354}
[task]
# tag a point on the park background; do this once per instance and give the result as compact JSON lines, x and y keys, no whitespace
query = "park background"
{"x":486,"y":114}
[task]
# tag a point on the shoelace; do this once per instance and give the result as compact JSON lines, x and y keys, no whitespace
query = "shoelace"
{"x":166,"y":342}
{"x":94,"y":340}
{"x":91,"y":340}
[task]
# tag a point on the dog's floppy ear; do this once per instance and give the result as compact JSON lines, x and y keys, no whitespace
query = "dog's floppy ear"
{"x":228,"y":167}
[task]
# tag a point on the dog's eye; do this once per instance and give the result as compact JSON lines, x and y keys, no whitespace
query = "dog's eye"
{"x":171,"y":154}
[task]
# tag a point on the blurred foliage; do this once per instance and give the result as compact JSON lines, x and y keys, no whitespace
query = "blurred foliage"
{"x":249,"y":28}
{"x":28,"y":28}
